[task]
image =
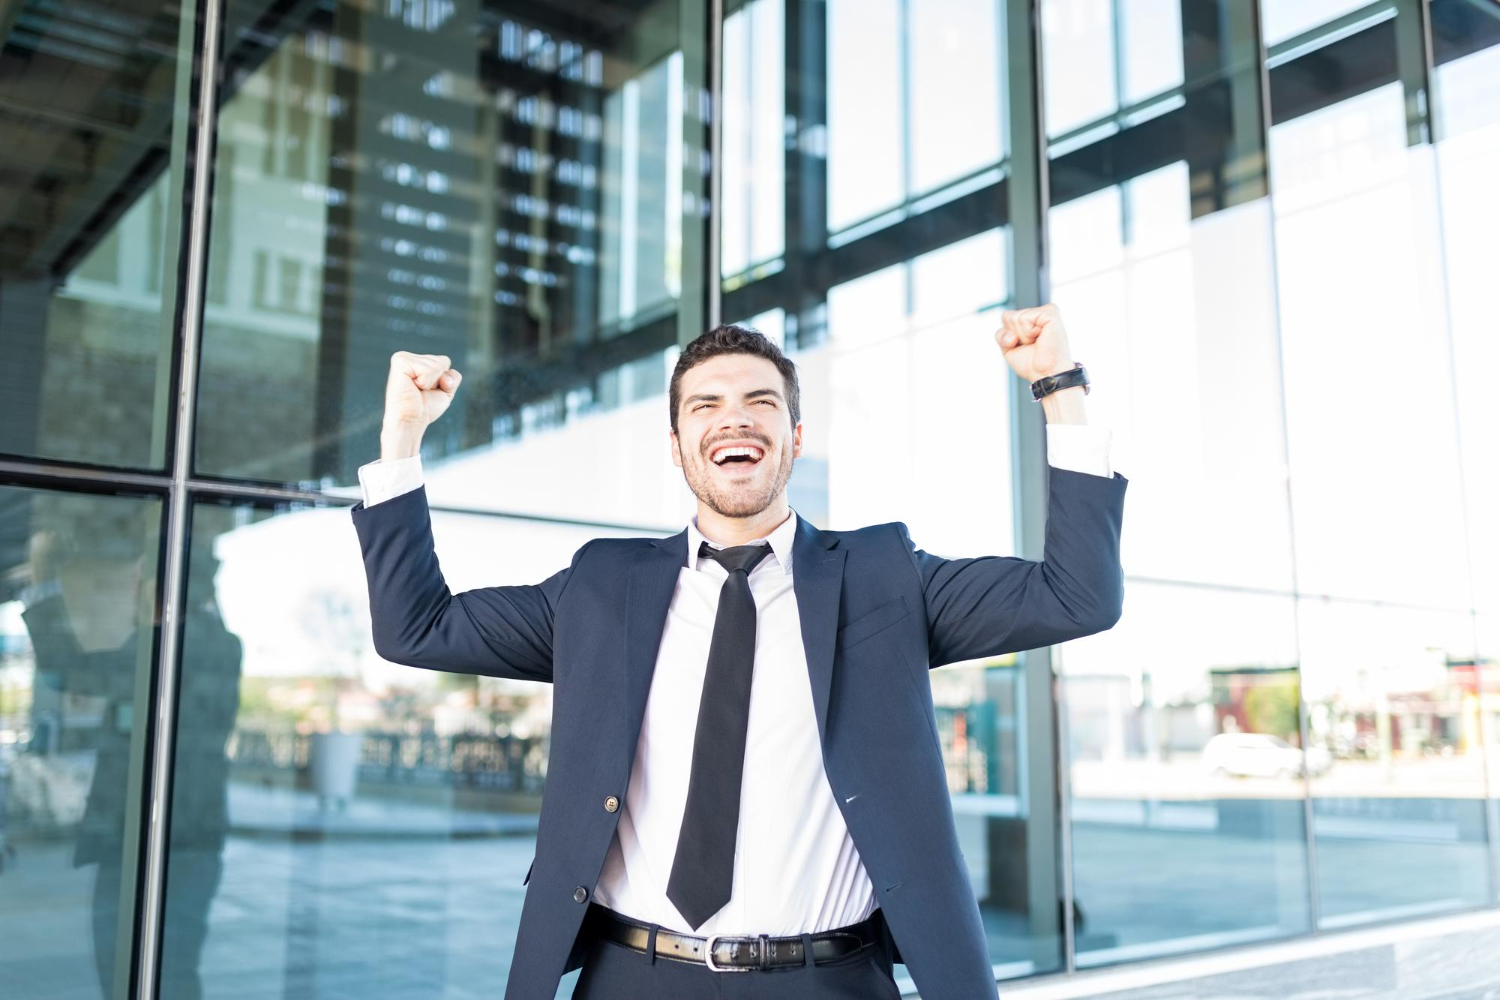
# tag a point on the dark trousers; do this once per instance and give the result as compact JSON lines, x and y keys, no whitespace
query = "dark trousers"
{"x":614,"y":972}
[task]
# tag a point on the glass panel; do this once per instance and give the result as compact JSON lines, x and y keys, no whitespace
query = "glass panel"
{"x":78,"y":602}
{"x":866,"y":130}
{"x":1135,"y":277}
{"x":886,"y":362}
{"x":1150,"y":47}
{"x":1102,"y":55}
{"x":1360,"y":292}
{"x":1182,"y":723}
{"x":1468,"y":158}
{"x":1468,"y":154}
{"x":92,"y":134}
{"x":1182,"y":726}
{"x":515,"y":186}
{"x":1078,"y":63}
{"x":1487,"y":705}
{"x":1282,"y":19}
{"x":1400,"y":816}
{"x":342,"y":825}
{"x":752,"y":220}
{"x":955,"y":49}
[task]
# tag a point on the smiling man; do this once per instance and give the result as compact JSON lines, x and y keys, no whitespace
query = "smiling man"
{"x":745,"y":793}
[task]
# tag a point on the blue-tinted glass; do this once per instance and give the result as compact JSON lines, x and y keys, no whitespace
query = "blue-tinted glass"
{"x":520,"y":192}
{"x":1399,"y":816}
{"x":342,"y":825}
{"x":78,"y":599}
{"x":89,"y":226}
{"x":1188,"y":805}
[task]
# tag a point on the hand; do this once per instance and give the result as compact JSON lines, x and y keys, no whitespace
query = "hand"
{"x":1034,"y":341}
{"x":418,"y":390}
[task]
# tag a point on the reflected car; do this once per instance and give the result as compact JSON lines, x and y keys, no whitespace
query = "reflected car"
{"x":1258,"y":755}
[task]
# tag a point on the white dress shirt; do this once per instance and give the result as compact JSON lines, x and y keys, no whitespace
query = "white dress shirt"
{"x":796,"y":868}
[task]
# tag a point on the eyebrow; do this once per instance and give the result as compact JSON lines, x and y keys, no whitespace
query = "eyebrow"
{"x":706,"y":397}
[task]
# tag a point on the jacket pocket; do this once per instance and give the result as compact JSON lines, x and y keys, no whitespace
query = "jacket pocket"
{"x":873,"y":621}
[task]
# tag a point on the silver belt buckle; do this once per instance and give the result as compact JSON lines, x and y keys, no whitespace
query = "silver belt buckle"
{"x":708,"y":956}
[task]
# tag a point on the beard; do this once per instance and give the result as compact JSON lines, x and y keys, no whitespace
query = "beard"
{"x":745,"y":500}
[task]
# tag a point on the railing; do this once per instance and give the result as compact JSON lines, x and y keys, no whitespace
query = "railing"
{"x":480,"y":762}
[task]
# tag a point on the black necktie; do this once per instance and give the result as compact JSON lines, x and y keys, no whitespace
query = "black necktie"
{"x":703,"y":868}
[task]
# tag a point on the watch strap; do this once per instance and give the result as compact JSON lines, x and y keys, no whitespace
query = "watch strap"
{"x":1077,"y":375}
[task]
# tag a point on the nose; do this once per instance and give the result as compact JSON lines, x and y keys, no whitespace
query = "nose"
{"x":736,"y":415}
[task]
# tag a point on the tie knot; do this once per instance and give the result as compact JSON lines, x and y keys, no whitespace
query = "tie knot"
{"x":737,"y":556}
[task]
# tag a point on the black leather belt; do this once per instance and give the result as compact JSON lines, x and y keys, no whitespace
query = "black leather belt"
{"x":731,"y":953}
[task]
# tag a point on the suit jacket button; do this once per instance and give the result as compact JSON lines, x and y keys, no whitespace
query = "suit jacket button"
{"x":580,"y":894}
{"x":611,"y":804}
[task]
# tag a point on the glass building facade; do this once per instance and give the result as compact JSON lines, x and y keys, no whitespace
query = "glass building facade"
{"x":1271,"y":229}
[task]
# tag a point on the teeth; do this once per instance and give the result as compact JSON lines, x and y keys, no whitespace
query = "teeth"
{"x":722,"y":453}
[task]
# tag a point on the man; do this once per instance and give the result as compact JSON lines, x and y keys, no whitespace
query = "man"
{"x":745,"y":793}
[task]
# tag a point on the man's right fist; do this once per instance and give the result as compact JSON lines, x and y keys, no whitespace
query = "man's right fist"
{"x":418,"y":390}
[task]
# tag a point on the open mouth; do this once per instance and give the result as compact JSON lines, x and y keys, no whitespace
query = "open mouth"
{"x":735,"y":459}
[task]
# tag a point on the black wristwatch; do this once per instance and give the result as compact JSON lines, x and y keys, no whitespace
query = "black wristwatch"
{"x":1077,"y":375}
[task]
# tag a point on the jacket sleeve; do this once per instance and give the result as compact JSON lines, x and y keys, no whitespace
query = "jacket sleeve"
{"x":417,"y":621}
{"x":991,"y":605}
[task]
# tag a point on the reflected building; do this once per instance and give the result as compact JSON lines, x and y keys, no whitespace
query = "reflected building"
{"x":1268,"y":223}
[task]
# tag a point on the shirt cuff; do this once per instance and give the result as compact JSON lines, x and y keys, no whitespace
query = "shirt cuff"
{"x":1080,"y":448}
{"x":386,"y":480}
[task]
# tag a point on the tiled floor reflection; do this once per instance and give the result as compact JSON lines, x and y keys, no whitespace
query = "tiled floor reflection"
{"x":351,"y":918}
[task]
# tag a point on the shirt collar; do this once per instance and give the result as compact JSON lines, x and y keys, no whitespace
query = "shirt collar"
{"x":780,"y":539}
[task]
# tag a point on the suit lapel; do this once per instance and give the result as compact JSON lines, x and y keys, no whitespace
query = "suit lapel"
{"x":817,"y":579}
{"x":648,"y":596}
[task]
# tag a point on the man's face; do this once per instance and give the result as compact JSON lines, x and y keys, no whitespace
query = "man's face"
{"x":728,"y":401}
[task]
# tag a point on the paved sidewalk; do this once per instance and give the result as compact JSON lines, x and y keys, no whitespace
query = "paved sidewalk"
{"x":1448,"y":958}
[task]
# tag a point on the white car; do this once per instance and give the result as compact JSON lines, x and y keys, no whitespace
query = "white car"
{"x":1257,"y":755}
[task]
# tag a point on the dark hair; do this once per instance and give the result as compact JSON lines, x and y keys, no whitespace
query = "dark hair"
{"x":729,"y":338}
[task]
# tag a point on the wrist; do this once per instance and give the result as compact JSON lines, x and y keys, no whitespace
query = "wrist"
{"x":400,"y":441}
{"x":1065,"y":406}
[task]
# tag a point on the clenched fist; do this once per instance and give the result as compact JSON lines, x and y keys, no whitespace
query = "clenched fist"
{"x":418,"y":389}
{"x":1034,"y":341}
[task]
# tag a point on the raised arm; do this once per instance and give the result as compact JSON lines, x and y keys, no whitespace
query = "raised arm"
{"x":990,"y":605}
{"x":418,"y":621}
{"x":415,"y":618}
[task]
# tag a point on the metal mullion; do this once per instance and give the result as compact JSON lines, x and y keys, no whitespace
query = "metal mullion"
{"x":711,"y":256}
{"x":192,"y":279}
{"x":67,"y":476}
{"x":1039,"y":709}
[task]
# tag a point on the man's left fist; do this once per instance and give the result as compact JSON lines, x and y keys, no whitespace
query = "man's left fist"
{"x":1034,"y":341}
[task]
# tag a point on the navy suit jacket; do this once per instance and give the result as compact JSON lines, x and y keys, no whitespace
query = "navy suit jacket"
{"x":876,"y":614}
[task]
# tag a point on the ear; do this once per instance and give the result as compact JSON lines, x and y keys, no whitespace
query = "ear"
{"x":797,"y":441}
{"x":676,"y":448}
